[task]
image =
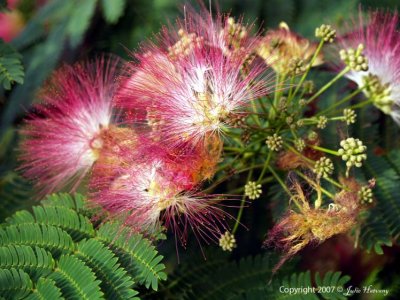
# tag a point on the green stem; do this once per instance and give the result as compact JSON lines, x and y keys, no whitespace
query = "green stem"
{"x":328,"y":85}
{"x":314,"y":185}
{"x":344,"y":100}
{"x":240,"y":190}
{"x":321,"y":43}
{"x":266,"y":164}
{"x":251,"y":168}
{"x":329,"y":151}
{"x":335,"y":183}
{"x":240,"y":213}
{"x":362,"y":104}
{"x":280,"y":181}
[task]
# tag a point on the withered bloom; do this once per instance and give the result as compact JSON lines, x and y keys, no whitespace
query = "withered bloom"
{"x":306,"y":224}
{"x":281,"y":48}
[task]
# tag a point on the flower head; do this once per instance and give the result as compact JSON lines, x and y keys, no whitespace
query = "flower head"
{"x":381,"y":42}
{"x":153,"y":194}
{"x":353,"y":152}
{"x":281,"y":47}
{"x":308,"y":224}
{"x":252,"y":190}
{"x":65,"y":135}
{"x":227,"y":241}
{"x":190,"y":85}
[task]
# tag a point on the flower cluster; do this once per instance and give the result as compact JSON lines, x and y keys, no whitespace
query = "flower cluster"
{"x":200,"y":102}
{"x":147,"y":133}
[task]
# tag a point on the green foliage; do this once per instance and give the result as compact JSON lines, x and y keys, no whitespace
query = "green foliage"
{"x":381,"y":226}
{"x":11,"y":69}
{"x":14,"y":284}
{"x":45,"y":289}
{"x":137,"y":255}
{"x":112,"y":10}
{"x":56,"y":252}
{"x":229,"y":278}
{"x":79,"y":20}
{"x":15,"y":193}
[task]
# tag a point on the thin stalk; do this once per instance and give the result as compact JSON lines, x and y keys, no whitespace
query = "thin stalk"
{"x":280,"y":181}
{"x":328,"y":85}
{"x":315,"y":185}
{"x":321,"y":43}
{"x":344,"y":100}
{"x":266,"y":164}
{"x":239,"y":190}
{"x":252,"y":167}
{"x":240,"y":213}
{"x":329,"y":151}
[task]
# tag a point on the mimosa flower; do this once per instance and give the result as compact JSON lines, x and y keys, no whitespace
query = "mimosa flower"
{"x":381,"y":42}
{"x":149,"y":195}
{"x":191,"y":88}
{"x":65,"y":134}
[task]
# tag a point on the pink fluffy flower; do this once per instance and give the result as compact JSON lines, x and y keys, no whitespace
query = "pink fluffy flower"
{"x":64,"y":136}
{"x":190,"y":86}
{"x":154,"y":193}
{"x":381,"y":40}
{"x":11,"y":22}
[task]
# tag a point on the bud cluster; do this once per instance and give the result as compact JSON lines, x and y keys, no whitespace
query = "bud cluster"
{"x":355,"y":59}
{"x":365,"y":195}
{"x":322,"y":121}
{"x":252,"y":190}
{"x":349,"y":116}
{"x":227,"y":241}
{"x":379,"y":93}
{"x":274,"y":142}
{"x":353,"y":152}
{"x":326,"y":32}
{"x":323,"y":167}
{"x":296,"y":66}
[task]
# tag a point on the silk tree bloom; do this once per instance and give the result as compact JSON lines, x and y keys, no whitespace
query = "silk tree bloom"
{"x":381,"y":42}
{"x":194,"y":97}
{"x":153,"y":194}
{"x":69,"y":128}
{"x":192,"y":87}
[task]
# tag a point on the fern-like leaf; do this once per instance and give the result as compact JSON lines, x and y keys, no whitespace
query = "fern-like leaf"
{"x":76,"y":280}
{"x":230,"y":279}
{"x":331,"y":285}
{"x":75,"y":202}
{"x":15,"y":193}
{"x":57,"y":242}
{"x":52,"y":238}
{"x":382,"y":225}
{"x":35,"y":261}
{"x":136,"y":254}
{"x":14,"y":283}
{"x":115,"y":282}
{"x":77,"y":225}
{"x":45,"y":289}
{"x":11,"y":69}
